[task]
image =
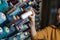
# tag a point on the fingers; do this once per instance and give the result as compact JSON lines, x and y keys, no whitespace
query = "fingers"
{"x":31,"y":9}
{"x":31,"y":16}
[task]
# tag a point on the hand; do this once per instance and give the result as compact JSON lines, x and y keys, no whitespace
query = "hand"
{"x":32,"y":17}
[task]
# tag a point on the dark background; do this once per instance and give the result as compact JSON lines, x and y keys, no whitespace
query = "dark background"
{"x":49,"y":16}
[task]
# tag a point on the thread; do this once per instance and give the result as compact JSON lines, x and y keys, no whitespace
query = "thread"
{"x":2,"y":17}
{"x":26,"y":15}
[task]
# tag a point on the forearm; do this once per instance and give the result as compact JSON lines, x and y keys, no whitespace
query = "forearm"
{"x":33,"y":29}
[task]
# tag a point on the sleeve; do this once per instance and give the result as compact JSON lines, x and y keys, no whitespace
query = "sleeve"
{"x":41,"y":34}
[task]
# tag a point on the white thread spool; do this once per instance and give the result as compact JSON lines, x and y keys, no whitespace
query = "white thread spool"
{"x":26,"y":15}
{"x":2,"y":17}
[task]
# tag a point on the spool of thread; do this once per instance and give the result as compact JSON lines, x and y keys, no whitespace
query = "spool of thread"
{"x":15,"y":18}
{"x":11,"y":10}
{"x":30,"y":3}
{"x":19,"y":22}
{"x":6,"y":31}
{"x":24,"y":35}
{"x":12,"y":29}
{"x":3,"y":5}
{"x":18,"y":28}
{"x":2,"y":17}
{"x":17,"y":11}
{"x":18,"y":36}
{"x":23,"y":27}
{"x":14,"y":13}
{"x":26,"y":15}
{"x":0,"y":1}
{"x":1,"y":33}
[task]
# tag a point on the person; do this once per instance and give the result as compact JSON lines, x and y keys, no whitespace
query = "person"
{"x":51,"y":32}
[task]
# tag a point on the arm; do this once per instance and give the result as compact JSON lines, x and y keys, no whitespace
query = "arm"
{"x":35,"y":34}
{"x":32,"y":23}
